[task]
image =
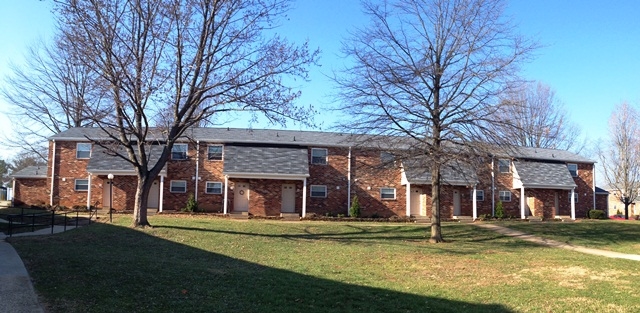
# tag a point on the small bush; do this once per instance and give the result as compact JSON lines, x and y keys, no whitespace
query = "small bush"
{"x":596,"y":214}
{"x":354,"y":210}
{"x":192,"y":205}
{"x":499,"y":210}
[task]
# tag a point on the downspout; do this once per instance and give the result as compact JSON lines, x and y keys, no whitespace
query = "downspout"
{"x":13,"y":191}
{"x":197,"y":168}
{"x":493,"y":189}
{"x":593,"y":171}
{"x":349,"y":182}
{"x":53,"y":172}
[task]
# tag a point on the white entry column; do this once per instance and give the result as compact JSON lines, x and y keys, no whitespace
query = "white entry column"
{"x":475,"y":203}
{"x":573,"y":204}
{"x":304,"y":197}
{"x":522,"y":203}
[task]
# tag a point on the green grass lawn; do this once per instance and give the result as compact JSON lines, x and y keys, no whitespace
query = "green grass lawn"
{"x":195,"y":264}
{"x":619,"y":236}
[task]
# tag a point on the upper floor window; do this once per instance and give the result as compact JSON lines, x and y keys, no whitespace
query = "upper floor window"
{"x":479,"y":195}
{"x":214,"y":188}
{"x":318,"y":156}
{"x":178,"y":186}
{"x":215,"y":153}
{"x":387,"y":193}
{"x":505,"y":195}
{"x":387,"y":158}
{"x":504,"y":165}
{"x":83,"y":150}
{"x":573,"y":169}
{"x":179,"y":151}
{"x":318,"y":191}
{"x":81,"y":185}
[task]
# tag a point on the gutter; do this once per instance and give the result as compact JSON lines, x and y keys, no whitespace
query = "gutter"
{"x":197,"y":168}
{"x":53,"y":172}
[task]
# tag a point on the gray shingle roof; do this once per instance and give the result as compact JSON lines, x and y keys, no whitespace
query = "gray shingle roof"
{"x":270,"y":161}
{"x":547,"y":154}
{"x":601,"y":191}
{"x":102,"y":162}
{"x":456,"y":174}
{"x":31,"y":172}
{"x":543,"y":175}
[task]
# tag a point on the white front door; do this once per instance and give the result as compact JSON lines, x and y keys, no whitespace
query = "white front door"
{"x":106,"y":194}
{"x":241,"y":197}
{"x":153,"y":199}
{"x":288,"y":198}
{"x":414,"y":201}
{"x":456,"y":203}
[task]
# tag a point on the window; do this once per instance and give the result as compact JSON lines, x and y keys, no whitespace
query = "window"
{"x":179,"y":151}
{"x":318,"y":191}
{"x":504,"y":165}
{"x":573,"y":169}
{"x":81,"y":185}
{"x":479,"y":195}
{"x":505,"y":195}
{"x":387,"y":158}
{"x":215,"y":153}
{"x":318,"y":156}
{"x":387,"y":193}
{"x":83,"y":151}
{"x":214,"y":188}
{"x":575,"y":197}
{"x":178,"y":186}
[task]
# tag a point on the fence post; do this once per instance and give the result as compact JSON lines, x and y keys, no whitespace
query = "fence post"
{"x":33,"y":222}
{"x":77,"y":216}
{"x":10,"y":225}
{"x":53,"y":220}
{"x":65,"y":221}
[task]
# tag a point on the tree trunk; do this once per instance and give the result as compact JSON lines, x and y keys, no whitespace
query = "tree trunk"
{"x":436,"y":231}
{"x":626,"y":211}
{"x":140,"y":208}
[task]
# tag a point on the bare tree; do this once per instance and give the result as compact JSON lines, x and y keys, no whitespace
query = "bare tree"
{"x":537,"y":119}
{"x":621,"y":158}
{"x":432,"y":71}
{"x":192,"y":58}
{"x":25,"y":159}
{"x":52,"y":92}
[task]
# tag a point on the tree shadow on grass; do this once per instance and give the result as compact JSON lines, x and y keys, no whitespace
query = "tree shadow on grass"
{"x":106,"y":268}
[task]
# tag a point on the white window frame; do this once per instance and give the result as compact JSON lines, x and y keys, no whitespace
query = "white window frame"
{"x":382,"y":194}
{"x":479,"y":195}
{"x":325,"y":156}
{"x":316,"y":187}
{"x":508,"y":166}
{"x":78,"y":150}
{"x":569,"y":165}
{"x":172,"y":186}
{"x":503,"y":198}
{"x":173,"y":150}
{"x":75,"y":184}
{"x":206,"y":190}
{"x":575,"y":195}
{"x":209,"y":153}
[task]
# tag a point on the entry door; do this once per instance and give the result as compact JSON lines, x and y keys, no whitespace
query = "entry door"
{"x":106,"y":195}
{"x":456,"y":203}
{"x":414,"y":201}
{"x":288,"y":198}
{"x":241,"y":197}
{"x":153,"y":199}
{"x":557,"y":204}
{"x":531,"y":207}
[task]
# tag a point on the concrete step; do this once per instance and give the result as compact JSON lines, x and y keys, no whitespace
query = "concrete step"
{"x":422,"y":220}
{"x":5,"y":203}
{"x":290,"y":216}
{"x":463,"y":219}
{"x":239,"y":215}
{"x":534,"y":219}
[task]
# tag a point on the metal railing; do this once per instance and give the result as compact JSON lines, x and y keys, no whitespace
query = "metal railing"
{"x":44,"y":220}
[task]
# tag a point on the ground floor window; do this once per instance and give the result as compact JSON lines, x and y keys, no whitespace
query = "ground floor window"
{"x":178,"y":186}
{"x":479,"y":195}
{"x":387,"y":193}
{"x":575,"y":197}
{"x":318,"y":191}
{"x":505,"y":195}
{"x":81,"y":185}
{"x":214,"y":188}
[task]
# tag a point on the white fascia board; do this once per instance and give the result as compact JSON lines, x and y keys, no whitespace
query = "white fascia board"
{"x":121,"y":172}
{"x":536,"y":186}
{"x":30,"y":176}
{"x":267,"y":176}
{"x":403,"y":180}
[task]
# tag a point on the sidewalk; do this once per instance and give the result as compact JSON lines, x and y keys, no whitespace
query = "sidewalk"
{"x":16,"y":290}
{"x":558,"y":244}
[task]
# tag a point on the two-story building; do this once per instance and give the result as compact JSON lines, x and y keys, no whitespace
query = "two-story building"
{"x":270,"y":172}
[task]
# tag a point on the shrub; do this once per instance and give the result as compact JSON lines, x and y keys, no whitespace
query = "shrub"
{"x":192,"y":205}
{"x":354,"y":210}
{"x":596,"y":214}
{"x":499,"y":210}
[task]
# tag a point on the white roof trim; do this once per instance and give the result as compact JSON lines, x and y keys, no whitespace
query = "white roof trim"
{"x":267,"y":176}
{"x":121,"y":172}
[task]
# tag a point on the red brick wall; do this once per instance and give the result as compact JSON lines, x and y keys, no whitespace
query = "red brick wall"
{"x":181,"y":170}
{"x":211,"y":170}
{"x":333,"y":175}
{"x":602,"y":202}
{"x":67,"y":170}
{"x":31,"y":191}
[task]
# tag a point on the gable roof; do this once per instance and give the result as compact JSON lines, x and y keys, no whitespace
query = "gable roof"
{"x":34,"y":171}
{"x":532,"y":153}
{"x":453,"y":173}
{"x":542,"y":175}
{"x":103,"y":163}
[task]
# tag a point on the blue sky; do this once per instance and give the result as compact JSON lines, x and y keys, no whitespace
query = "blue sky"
{"x":591,"y":53}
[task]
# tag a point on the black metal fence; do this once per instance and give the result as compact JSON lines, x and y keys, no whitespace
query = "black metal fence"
{"x":31,"y":222}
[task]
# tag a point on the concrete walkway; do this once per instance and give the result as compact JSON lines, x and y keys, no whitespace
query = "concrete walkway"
{"x":558,"y":244}
{"x":16,"y":290}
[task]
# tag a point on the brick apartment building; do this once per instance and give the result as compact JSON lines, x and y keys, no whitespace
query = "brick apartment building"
{"x":269,"y":172}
